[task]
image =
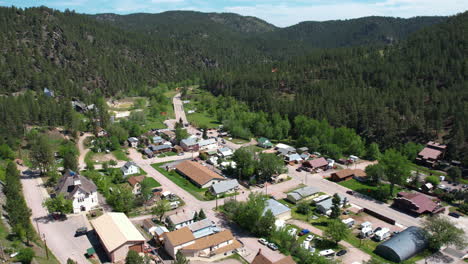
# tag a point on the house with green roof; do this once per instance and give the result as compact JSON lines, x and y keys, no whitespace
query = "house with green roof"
{"x":264,"y":143}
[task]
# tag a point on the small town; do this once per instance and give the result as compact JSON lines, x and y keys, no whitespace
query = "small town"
{"x":233,"y":132}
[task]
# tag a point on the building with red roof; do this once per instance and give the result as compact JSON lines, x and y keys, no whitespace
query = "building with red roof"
{"x":416,"y":203}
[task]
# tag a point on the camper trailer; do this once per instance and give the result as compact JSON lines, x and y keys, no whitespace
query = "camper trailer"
{"x":327,"y":253}
{"x":349,"y":222}
{"x":366,"y":224}
{"x":366,"y":232}
{"x":382,"y":234}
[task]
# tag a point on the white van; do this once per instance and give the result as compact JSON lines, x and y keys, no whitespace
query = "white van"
{"x":382,"y":234}
{"x":366,"y":224}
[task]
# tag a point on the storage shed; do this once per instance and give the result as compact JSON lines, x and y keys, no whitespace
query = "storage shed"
{"x":403,"y":245}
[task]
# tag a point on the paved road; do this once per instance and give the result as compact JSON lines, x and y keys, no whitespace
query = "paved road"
{"x":317,"y":180}
{"x":59,"y":234}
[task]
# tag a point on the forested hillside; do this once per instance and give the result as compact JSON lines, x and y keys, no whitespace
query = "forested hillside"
{"x":416,"y":90}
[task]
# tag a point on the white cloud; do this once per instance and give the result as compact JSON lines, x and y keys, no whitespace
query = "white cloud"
{"x":287,"y":14}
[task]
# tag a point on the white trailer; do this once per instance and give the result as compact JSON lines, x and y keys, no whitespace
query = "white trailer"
{"x":349,"y":222}
{"x":382,"y":234}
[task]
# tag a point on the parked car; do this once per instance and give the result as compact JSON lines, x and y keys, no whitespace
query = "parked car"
{"x":304,"y":232}
{"x":263,"y":241}
{"x":455,"y":184}
{"x":272,"y":246}
{"x":260,"y":185}
{"x":81,"y":231}
{"x":309,"y":237}
{"x":454,"y":214}
{"x":350,"y":192}
{"x":299,"y":169}
{"x":341,"y":252}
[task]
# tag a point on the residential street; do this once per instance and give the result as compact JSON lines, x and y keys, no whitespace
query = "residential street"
{"x":58,"y":234}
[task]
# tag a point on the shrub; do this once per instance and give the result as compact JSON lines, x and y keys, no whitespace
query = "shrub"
{"x":434,"y":180}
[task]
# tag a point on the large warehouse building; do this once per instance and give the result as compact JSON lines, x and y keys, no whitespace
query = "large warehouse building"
{"x":403,"y":245}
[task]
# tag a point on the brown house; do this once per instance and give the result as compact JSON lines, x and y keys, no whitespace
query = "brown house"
{"x":320,"y":163}
{"x":261,"y":259}
{"x":117,"y":235}
{"x":348,"y":174}
{"x":416,"y":203}
{"x":431,"y":154}
{"x":200,"y":175}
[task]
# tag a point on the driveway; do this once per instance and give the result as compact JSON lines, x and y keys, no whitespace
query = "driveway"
{"x":58,"y":234}
{"x":83,"y":150}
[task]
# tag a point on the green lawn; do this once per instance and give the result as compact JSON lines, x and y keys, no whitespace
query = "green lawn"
{"x":182,"y":182}
{"x":427,"y":170}
{"x":372,"y":191}
{"x":203,"y":120}
{"x":152,"y":182}
{"x":240,"y":141}
{"x":120,"y":155}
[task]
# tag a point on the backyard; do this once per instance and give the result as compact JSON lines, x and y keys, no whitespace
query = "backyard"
{"x":380,"y":192}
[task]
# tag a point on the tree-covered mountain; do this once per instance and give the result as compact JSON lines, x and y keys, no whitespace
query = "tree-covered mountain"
{"x":414,"y":90}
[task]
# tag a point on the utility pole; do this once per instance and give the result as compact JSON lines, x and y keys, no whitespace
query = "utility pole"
{"x":46,"y":248}
{"x":216,"y":202}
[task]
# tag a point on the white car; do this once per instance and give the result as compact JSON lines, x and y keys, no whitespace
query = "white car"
{"x":309,"y":237}
{"x":263,"y":241}
{"x":292,"y":231}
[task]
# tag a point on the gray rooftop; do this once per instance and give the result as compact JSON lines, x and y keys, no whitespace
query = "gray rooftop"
{"x":207,"y":142}
{"x":67,"y":187}
{"x":189,"y":141}
{"x":202,"y":224}
{"x":326,"y":204}
{"x":276,"y":207}
{"x":403,"y":245}
{"x":305,"y":191}
{"x":224,"y":186}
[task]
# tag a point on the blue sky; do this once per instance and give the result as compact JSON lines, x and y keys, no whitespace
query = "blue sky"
{"x":278,"y":12}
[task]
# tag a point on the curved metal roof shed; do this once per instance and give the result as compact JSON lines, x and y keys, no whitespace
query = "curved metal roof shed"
{"x":404,"y":245}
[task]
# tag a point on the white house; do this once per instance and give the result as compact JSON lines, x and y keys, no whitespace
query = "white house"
{"x":135,"y":182}
{"x":130,"y":168}
{"x":207,"y":144}
{"x":181,"y":219}
{"x":133,"y":142}
{"x":225,"y":152}
{"x":79,"y":189}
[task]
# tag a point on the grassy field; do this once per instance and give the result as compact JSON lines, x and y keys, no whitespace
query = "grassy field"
{"x":182,"y":182}
{"x":369,"y":190}
{"x":120,"y":155}
{"x":203,"y":120}
{"x":152,"y":182}
{"x":427,"y":170}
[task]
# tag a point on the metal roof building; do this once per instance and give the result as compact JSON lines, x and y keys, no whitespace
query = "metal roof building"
{"x":403,"y":245}
{"x":279,"y":210}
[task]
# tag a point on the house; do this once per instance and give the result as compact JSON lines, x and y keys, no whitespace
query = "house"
{"x":157,"y":140}
{"x":293,"y":158}
{"x":431,"y":154}
{"x":225,"y":152}
{"x":303,"y":150}
{"x":284,"y":149}
{"x":117,"y":235}
{"x":130,"y":168}
{"x":301,"y":194}
{"x":178,"y":149}
{"x":198,"y":174}
{"x":148,"y":152}
{"x":100,"y":132}
{"x":261,"y":259}
{"x":315,"y":164}
{"x":305,"y":156}
{"x":167,"y":134}
{"x":427,"y":187}
{"x":135,"y":182}
{"x":416,"y":203}
{"x":203,"y":228}
{"x":158,"y":233}
{"x":348,"y":174}
{"x":221,"y":243}
{"x":160,"y":148}
{"x":224,"y":187}
{"x":189,"y":144}
{"x":403,"y":245}
{"x":181,"y":219}
{"x":133,"y":142}
{"x":279,"y":210}
{"x":80,"y":190}
{"x":325,"y":206}
{"x":175,"y":240}
{"x":79,"y":106}
{"x":208,"y":144}
{"x":264,"y":143}
{"x":149,"y":226}
{"x":48,"y":93}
